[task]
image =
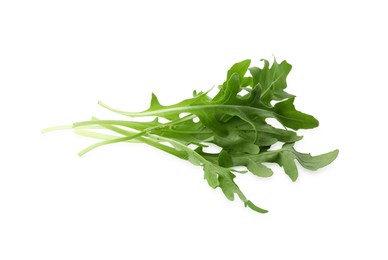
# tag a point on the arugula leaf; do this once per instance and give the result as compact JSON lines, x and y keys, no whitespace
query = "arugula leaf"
{"x":290,"y":117}
{"x":311,"y":162}
{"x":258,"y":169}
{"x":240,"y":68}
{"x":232,"y":120}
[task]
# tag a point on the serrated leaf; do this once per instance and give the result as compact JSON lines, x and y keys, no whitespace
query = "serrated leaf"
{"x":211,"y":175}
{"x":312,"y":162}
{"x":229,"y":188}
{"x":271,"y":80}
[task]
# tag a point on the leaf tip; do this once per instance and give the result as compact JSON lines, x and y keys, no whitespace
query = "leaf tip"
{"x":154,"y":101}
{"x":335,"y":154}
{"x":252,"y":206}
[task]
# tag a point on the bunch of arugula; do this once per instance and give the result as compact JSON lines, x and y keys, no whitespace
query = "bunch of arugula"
{"x":231,"y":120}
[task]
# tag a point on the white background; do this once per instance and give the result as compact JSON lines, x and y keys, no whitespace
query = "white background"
{"x":130,"y":201}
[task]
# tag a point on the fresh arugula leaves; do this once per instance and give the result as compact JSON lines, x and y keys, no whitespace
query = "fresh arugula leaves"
{"x":233,"y":121}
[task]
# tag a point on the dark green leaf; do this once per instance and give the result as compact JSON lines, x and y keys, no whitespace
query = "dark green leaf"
{"x":224,"y":159}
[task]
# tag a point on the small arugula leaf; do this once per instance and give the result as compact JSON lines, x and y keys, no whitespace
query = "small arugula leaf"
{"x":286,"y":160}
{"x":211,"y":175}
{"x":228,"y":94}
{"x":312,"y":162}
{"x":229,"y":187}
{"x":275,"y":90}
{"x":292,"y":118}
{"x":259,"y":169}
{"x":239,"y":68}
{"x":272,"y":81}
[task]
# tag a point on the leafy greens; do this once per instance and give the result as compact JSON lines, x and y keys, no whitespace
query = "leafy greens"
{"x":231,"y":120}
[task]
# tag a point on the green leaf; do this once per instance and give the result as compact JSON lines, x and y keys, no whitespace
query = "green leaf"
{"x":239,"y":68}
{"x":238,"y":141}
{"x":286,"y":160}
{"x":228,"y":94}
{"x":290,"y":117}
{"x":224,"y":159}
{"x":246,"y":81}
{"x":229,"y":187}
{"x":211,"y":175}
{"x":259,"y":169}
{"x":312,"y":162}
{"x":254,"y":207}
{"x":272,"y":81}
